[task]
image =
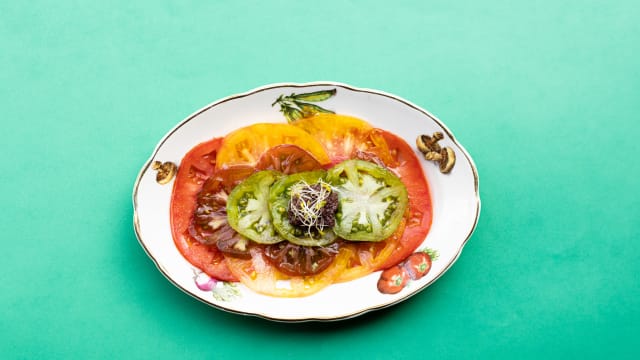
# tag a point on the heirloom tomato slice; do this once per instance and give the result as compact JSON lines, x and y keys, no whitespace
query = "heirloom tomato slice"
{"x":340,"y":135}
{"x":288,"y":159}
{"x":195,"y":168}
{"x":298,"y":260}
{"x":246,"y":145}
{"x":374,"y":148}
{"x":371,"y":200}
{"x":372,"y":256}
{"x":369,"y":256}
{"x":209,"y":224}
{"x":248,"y":208}
{"x":279,"y":204}
{"x":419,"y":213}
{"x":259,"y":275}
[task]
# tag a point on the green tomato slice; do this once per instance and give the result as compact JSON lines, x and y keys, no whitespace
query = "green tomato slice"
{"x":371,"y":200}
{"x":279,"y":199}
{"x":248,"y":208}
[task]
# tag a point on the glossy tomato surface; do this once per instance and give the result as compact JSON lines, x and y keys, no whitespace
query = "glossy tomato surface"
{"x":246,"y":145}
{"x":420,"y":211}
{"x":340,"y":135}
{"x":196,"y":167}
{"x":261,"y":276}
{"x":334,"y":138}
{"x":288,"y":159}
{"x":372,"y":200}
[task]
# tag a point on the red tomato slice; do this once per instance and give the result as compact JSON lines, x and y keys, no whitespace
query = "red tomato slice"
{"x":420,"y":212}
{"x":196,"y":167}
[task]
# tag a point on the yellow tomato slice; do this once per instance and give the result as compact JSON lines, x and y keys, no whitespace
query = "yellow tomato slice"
{"x":367,"y":257}
{"x":260,"y":276}
{"x":247,"y":144}
{"x":340,"y":135}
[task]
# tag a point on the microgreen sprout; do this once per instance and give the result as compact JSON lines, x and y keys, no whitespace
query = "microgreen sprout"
{"x":307,"y":205}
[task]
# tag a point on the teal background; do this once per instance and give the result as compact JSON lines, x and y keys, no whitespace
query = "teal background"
{"x":544,"y":95}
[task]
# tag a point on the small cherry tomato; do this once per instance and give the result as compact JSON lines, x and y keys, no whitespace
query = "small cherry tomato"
{"x":417,"y":265}
{"x":393,"y":280}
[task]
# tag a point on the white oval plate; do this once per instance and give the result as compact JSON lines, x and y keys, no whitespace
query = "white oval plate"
{"x":455,"y":197}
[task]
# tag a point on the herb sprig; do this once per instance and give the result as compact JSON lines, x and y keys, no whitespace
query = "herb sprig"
{"x":299,"y":106}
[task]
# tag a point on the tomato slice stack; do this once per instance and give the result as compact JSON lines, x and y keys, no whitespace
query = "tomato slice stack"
{"x":246,"y":145}
{"x":308,"y":144}
{"x":197,"y":166}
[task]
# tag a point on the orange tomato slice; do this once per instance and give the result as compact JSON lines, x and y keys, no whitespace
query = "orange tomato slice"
{"x":247,"y":144}
{"x":340,"y":135}
{"x":367,"y":257}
